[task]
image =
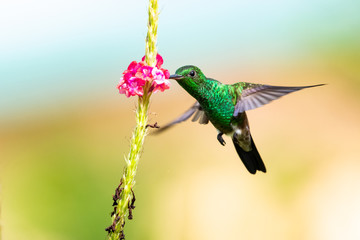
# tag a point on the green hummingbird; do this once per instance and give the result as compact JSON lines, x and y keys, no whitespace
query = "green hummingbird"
{"x":225,"y":106}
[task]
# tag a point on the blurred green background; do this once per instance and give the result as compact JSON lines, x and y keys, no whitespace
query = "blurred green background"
{"x":64,"y":129}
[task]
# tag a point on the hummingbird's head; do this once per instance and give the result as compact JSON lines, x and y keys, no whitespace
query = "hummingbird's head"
{"x":192,"y":80}
{"x":188,"y":75}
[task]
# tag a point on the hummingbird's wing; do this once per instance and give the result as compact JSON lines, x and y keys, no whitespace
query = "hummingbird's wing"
{"x":199,"y":115}
{"x":259,"y":95}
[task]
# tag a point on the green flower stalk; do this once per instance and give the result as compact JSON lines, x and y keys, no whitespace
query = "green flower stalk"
{"x":150,"y":49}
{"x":140,"y":79}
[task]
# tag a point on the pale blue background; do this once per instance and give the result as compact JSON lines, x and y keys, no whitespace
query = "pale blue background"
{"x":55,"y":52}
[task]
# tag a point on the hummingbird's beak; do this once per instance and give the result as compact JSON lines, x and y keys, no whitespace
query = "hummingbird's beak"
{"x":176,"y":77}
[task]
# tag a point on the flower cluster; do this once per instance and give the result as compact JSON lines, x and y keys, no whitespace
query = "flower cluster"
{"x":138,"y":74}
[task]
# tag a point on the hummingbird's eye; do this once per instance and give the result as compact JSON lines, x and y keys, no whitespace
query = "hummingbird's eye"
{"x":192,"y":73}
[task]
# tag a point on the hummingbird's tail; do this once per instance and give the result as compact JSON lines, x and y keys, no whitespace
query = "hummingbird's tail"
{"x":251,"y":159}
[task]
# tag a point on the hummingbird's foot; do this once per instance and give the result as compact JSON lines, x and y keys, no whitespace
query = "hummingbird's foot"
{"x":220,"y":139}
{"x":155,"y":125}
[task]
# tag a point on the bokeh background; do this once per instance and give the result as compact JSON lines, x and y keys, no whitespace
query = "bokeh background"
{"x":64,"y":129}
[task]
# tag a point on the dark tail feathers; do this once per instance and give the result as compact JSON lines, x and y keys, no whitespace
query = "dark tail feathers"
{"x":251,"y":159}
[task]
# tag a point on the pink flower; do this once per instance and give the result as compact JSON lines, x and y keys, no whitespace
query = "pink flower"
{"x":132,"y":86}
{"x":159,"y":60}
{"x":137,"y":74}
{"x":159,"y":81}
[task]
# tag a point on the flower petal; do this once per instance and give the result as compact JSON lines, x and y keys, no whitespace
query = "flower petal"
{"x":159,"y":61}
{"x":138,"y":73}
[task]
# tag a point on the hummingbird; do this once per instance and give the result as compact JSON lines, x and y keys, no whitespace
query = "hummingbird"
{"x":225,"y":106}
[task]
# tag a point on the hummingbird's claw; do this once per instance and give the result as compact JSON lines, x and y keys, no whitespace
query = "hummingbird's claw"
{"x":220,"y":139}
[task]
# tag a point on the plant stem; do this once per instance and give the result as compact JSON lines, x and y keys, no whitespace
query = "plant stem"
{"x":151,"y":38}
{"x":128,"y":179}
{"x":124,"y":196}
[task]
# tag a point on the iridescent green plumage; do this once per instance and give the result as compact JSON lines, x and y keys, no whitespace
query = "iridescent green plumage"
{"x":225,"y":105}
{"x":217,"y":100}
